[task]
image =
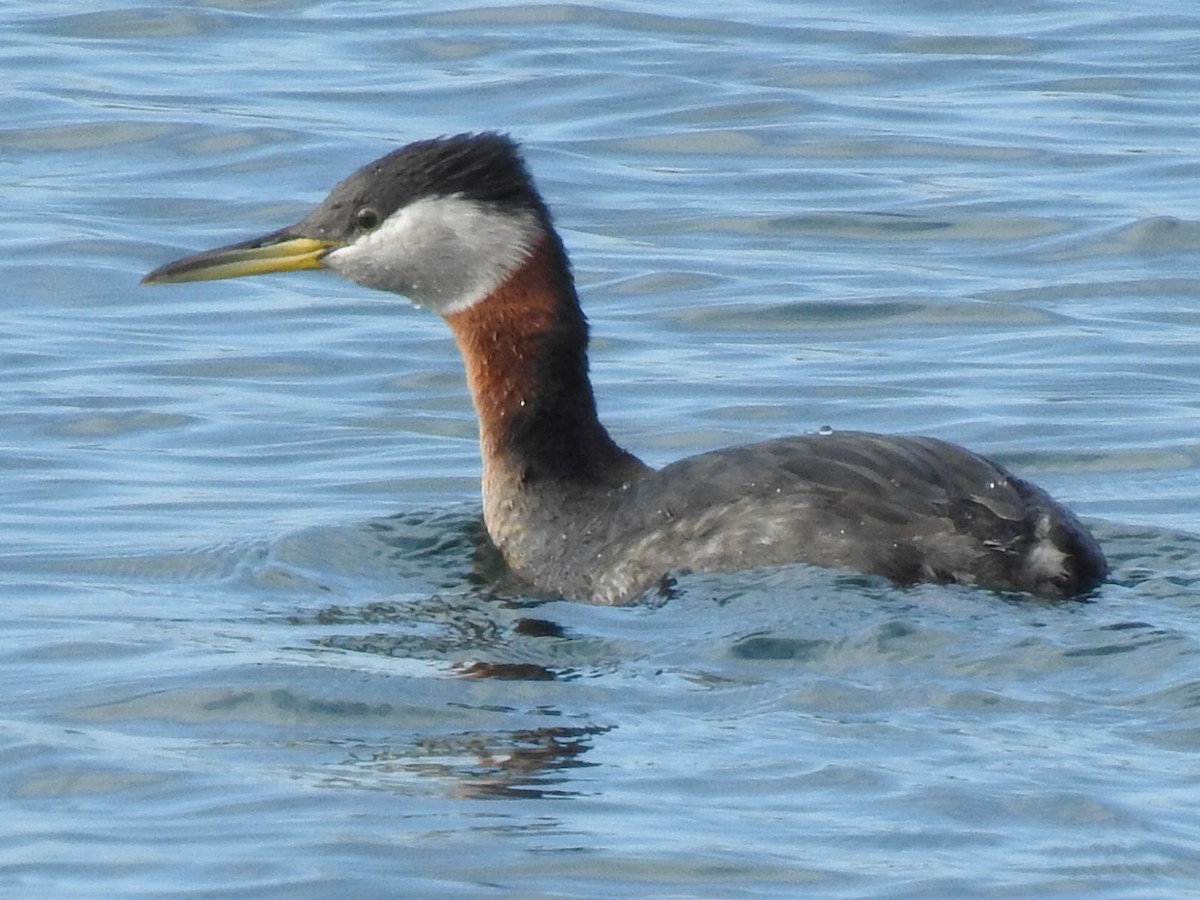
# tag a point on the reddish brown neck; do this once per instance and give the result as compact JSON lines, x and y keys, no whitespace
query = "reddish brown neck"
{"x":525,"y":351}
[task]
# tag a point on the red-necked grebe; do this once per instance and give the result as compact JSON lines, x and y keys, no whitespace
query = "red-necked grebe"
{"x":457,"y":225}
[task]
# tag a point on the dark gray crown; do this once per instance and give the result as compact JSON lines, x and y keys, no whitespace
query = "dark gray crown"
{"x":484,"y":167}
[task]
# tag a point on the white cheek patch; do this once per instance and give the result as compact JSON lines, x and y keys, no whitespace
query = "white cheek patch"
{"x":444,"y":253}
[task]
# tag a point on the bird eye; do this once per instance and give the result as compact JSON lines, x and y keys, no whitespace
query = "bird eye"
{"x":367,"y":219}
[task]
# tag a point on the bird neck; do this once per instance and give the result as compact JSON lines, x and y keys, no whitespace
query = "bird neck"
{"x":525,"y":351}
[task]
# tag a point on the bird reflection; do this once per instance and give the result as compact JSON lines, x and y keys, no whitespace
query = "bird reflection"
{"x":522,"y":764}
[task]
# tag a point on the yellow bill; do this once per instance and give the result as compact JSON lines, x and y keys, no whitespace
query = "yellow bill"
{"x":279,"y":252}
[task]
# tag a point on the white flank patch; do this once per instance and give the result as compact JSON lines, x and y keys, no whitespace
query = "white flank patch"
{"x":443,"y":253}
{"x":1044,"y":557}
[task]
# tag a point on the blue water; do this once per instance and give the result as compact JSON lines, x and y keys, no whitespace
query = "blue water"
{"x":253,"y":646}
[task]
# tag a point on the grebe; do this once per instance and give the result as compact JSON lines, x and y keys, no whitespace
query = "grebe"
{"x":457,"y":225}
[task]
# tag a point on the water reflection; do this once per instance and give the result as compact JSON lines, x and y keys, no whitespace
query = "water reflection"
{"x":519,"y":764}
{"x":507,"y":671}
{"x":478,"y":639}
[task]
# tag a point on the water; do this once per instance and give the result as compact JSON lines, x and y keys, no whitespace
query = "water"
{"x":255,"y":646}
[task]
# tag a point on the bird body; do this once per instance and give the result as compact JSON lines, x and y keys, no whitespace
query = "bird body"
{"x":456,"y":225}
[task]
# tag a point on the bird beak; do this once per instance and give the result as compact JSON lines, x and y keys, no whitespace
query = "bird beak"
{"x":281,"y":251}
